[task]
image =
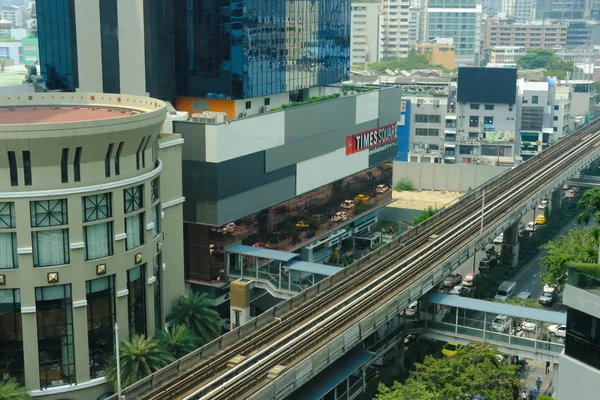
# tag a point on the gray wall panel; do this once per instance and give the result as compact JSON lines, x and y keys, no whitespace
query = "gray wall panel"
{"x":389,"y":106}
{"x":243,"y":204}
{"x":194,"y":135}
{"x":384,"y":155}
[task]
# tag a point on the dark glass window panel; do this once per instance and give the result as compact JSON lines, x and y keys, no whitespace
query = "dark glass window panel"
{"x":12,"y":163}
{"x":134,"y":228}
{"x":7,"y":215}
{"x":48,"y":213}
{"x":11,"y":335}
{"x":64,"y":166}
{"x":97,"y":207}
{"x":50,"y":247}
{"x":133,"y":198}
{"x":138,"y":153}
{"x":9,"y":257}
{"x":107,"y":160}
{"x":118,"y":159}
{"x":109,"y":46}
{"x":56,"y":350}
{"x":137,"y":300}
{"x":155,"y":189}
{"x":144,"y":151}
{"x":77,"y":165}
{"x":100,"y":296}
{"x":157,"y":261}
{"x":98,"y":242}
{"x":27,"y":168}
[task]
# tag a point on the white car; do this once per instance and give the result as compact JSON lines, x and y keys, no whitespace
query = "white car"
{"x":229,"y":228}
{"x":339,"y":216}
{"x":498,"y":239}
{"x":411,"y":310}
{"x":502,"y":324}
{"x":558,"y":330}
{"x":528,"y":326}
{"x":457,"y":290}
{"x":530,"y":226}
{"x":543,"y":204}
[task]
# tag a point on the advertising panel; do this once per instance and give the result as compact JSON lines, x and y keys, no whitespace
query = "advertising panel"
{"x":371,"y":139}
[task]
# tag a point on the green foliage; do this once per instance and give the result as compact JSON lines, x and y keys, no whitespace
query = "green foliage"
{"x":177,"y":341}
{"x":310,"y":101}
{"x":377,"y":245}
{"x":405,"y":185}
{"x":139,"y":358}
{"x":360,"y":207}
{"x":425,"y":214}
{"x":517,"y":301}
{"x":11,"y":390}
{"x":357,"y":89}
{"x":196,"y":312}
{"x":413,"y":61}
{"x":577,"y":245}
{"x":592,"y":269}
{"x":547,"y":59}
{"x":474,"y":370}
{"x":590,"y":205}
{"x":544,"y":397}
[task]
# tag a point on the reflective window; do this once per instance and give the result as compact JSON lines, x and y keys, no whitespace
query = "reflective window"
{"x":11,"y":335}
{"x":155,"y":190}
{"x":50,"y":247}
{"x":98,"y":240}
{"x":134,"y":228}
{"x":48,"y":213}
{"x":157,"y":265}
{"x":54,"y":310}
{"x":156,"y":211}
{"x":137,"y":300}
{"x":8,"y":240}
{"x":100,"y":296}
{"x":97,"y":207}
{"x":133,"y":198}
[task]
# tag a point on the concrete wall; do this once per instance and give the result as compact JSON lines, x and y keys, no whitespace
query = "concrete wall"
{"x":576,"y":377}
{"x":458,"y":177}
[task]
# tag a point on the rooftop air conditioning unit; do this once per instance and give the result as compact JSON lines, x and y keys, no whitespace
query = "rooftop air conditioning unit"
{"x":196,"y":117}
{"x":263,"y":109}
{"x":242,"y":115}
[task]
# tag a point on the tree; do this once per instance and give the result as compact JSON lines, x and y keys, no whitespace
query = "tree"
{"x":11,"y":390}
{"x":577,"y":245}
{"x":178,"y":340}
{"x":413,"y":61}
{"x":139,"y":358}
{"x":195,"y":311}
{"x":474,"y":371}
{"x":518,"y":301}
{"x":590,"y":204}
{"x":547,"y":59}
{"x":425,"y":214}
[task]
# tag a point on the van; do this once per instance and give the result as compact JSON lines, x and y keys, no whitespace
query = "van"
{"x":506,"y":290}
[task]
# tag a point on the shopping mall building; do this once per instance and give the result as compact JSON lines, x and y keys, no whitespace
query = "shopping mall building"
{"x":90,"y":234}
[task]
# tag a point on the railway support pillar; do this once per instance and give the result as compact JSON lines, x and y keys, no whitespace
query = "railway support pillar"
{"x":556,"y":203}
{"x":510,"y":245}
{"x":555,"y":380}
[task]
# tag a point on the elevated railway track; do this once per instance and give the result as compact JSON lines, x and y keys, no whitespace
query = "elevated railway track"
{"x":307,"y":327}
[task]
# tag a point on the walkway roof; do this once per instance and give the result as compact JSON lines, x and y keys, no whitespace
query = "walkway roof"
{"x":491,"y":307}
{"x":262,"y":253}
{"x":313,"y":268}
{"x":333,"y":375}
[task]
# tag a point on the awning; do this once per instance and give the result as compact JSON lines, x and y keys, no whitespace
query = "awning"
{"x":262,"y":253}
{"x":313,"y":268}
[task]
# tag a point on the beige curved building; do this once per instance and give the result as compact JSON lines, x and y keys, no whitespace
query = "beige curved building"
{"x":90,"y":234}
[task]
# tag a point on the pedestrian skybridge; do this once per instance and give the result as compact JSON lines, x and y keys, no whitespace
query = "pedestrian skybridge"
{"x":515,"y":330}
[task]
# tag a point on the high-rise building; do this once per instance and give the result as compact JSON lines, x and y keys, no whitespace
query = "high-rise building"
{"x":533,"y":34}
{"x":365,"y":37}
{"x":90,"y":234}
{"x":519,"y":10}
{"x":460,"y":21}
{"x":415,"y":32}
{"x":395,"y":27}
{"x":562,"y":9}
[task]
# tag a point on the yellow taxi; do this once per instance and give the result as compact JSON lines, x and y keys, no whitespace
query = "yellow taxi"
{"x":362,"y":198}
{"x":540,"y":219}
{"x":451,"y":348}
{"x":301,"y":225}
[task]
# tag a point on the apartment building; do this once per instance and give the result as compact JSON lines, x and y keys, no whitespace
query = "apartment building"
{"x":415,"y":32}
{"x":427,"y":120}
{"x":461,"y":22}
{"x":562,"y":112}
{"x":533,"y":34}
{"x":519,"y":10}
{"x":365,"y":40}
{"x":395,"y":28}
{"x":438,"y":54}
{"x":537,"y":115}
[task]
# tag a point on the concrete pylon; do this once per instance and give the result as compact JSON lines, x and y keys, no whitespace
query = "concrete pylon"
{"x":555,"y":380}
{"x":510,"y":245}
{"x":239,"y":309}
{"x":556,"y":203}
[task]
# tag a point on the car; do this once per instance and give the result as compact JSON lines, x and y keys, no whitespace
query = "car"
{"x":382,"y":189}
{"x":558,"y":330}
{"x":411,"y":310}
{"x":540,"y":219}
{"x":364,"y":198}
{"x":548,"y":296}
{"x":452,"y":280}
{"x":408,"y":339}
{"x":543,"y":204}
{"x":528,"y":326}
{"x":301,"y":224}
{"x":498,"y":239}
{"x":457,"y":290}
{"x":339,"y":216}
{"x":502,"y":324}
{"x":451,"y":348}
{"x":229,"y":228}
{"x":262,"y":245}
{"x":226,"y":324}
{"x":569,"y":194}
{"x":469,"y":279}
{"x":347,"y":205}
{"x":524,"y":295}
{"x":488,"y":262}
{"x":530,"y":226}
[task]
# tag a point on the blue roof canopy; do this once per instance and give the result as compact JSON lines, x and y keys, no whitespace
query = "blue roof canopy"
{"x":262,"y":253}
{"x":318,"y":269}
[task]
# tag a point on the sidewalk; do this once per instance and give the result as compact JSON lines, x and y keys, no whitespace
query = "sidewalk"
{"x":535,"y":369}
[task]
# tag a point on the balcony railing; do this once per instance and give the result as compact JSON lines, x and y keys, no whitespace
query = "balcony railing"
{"x":585,"y":281}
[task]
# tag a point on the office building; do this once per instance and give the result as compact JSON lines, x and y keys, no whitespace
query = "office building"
{"x":519,"y":10}
{"x":395,"y":28}
{"x":488,"y":121}
{"x":562,"y":112}
{"x":537,"y":115}
{"x":505,"y":54}
{"x":533,"y":34}
{"x":13,"y":14}
{"x":438,"y":54}
{"x":90,"y":231}
{"x":462,"y":23}
{"x":562,"y":9}
{"x":579,"y":367}
{"x":365,"y":40}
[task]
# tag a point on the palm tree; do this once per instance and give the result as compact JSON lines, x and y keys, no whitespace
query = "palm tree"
{"x":194,"y":311}
{"x":139,"y":358}
{"x":11,"y":390}
{"x":178,"y":340}
{"x":590,"y":204}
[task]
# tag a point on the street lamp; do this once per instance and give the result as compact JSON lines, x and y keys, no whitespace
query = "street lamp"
{"x":118,"y":360}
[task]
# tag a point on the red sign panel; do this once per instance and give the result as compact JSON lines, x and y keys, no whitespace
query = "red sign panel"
{"x":372,"y":138}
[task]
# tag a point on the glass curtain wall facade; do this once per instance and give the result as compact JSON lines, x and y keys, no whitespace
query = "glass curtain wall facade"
{"x":54,"y":309}
{"x":228,"y":49}
{"x":100,"y":296}
{"x":11,"y":335}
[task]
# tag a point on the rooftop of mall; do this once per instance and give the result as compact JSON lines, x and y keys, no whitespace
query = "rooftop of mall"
{"x":50,"y":115}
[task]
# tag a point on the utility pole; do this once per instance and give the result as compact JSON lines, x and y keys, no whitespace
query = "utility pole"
{"x":118,"y":360}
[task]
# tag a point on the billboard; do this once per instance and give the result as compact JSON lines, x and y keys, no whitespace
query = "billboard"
{"x":487,"y":85}
{"x":371,"y":139}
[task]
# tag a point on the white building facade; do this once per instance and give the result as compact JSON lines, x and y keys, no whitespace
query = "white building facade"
{"x":365,"y":33}
{"x":562,"y":113}
{"x":395,"y":28}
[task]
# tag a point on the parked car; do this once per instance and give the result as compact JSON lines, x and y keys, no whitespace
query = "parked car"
{"x":347,"y":205}
{"x":543,"y":204}
{"x":530,"y":226}
{"x":502,"y":324}
{"x":558,"y":330}
{"x":452,"y":280}
{"x":382,"y":189}
{"x":488,"y":262}
{"x":506,"y":290}
{"x":411,"y":310}
{"x":469,"y":279}
{"x":229,"y":228}
{"x":528,"y":326}
{"x":524,"y":295}
{"x":362,"y":198}
{"x":498,"y":239}
{"x":339,"y":216}
{"x":457,"y":290}
{"x":451,"y":348}
{"x":540,"y":219}
{"x":549,"y":296}
{"x":262,"y":245}
{"x":569,"y":194}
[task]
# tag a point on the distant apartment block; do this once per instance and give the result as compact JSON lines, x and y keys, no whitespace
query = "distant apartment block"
{"x":365,"y":21}
{"x":505,"y":54}
{"x":395,"y":28}
{"x":528,"y":35}
{"x":519,"y":10}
